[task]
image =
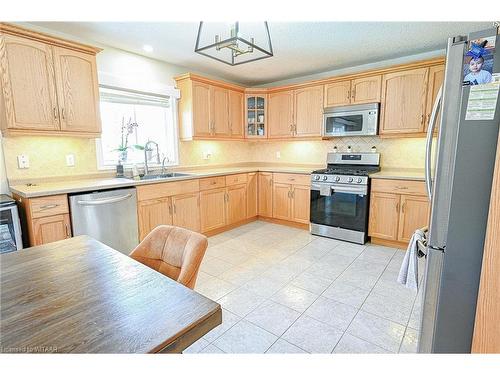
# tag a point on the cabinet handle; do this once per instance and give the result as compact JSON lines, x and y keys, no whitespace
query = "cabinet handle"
{"x":271,"y":182}
{"x":293,"y":193}
{"x":403,"y":208}
{"x":48,"y":207}
{"x":428,"y":118}
{"x":402,"y":187}
{"x":174,"y":208}
{"x":62,"y":114}
{"x":422,"y":118}
{"x":348,"y":95}
{"x":170,"y":209}
{"x":55,"y":113}
{"x":68,"y":235}
{"x":353,"y":93}
{"x":397,"y":207}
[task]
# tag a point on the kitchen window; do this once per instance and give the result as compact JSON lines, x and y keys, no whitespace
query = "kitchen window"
{"x":129,"y":120}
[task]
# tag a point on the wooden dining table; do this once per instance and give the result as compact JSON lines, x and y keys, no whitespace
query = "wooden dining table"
{"x":81,"y":296}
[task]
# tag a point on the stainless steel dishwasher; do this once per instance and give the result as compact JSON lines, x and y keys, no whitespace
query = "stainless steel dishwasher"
{"x":108,"y":216}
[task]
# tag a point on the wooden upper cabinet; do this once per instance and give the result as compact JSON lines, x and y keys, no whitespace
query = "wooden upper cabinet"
{"x":28,"y":85}
{"x":186,"y":211}
{"x":436,"y":80}
{"x":236,"y":113}
{"x":201,"y":113}
{"x":403,"y":101}
{"x":384,"y":216}
{"x":366,"y":90}
{"x":78,"y":91}
{"x":415,"y":212}
{"x":252,"y":194}
{"x":265,"y":188}
{"x":219,"y":109}
{"x":338,"y":93}
{"x":280,"y":112}
{"x":308,"y":111}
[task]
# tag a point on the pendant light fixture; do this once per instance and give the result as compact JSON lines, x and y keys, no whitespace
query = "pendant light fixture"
{"x":235,"y":43}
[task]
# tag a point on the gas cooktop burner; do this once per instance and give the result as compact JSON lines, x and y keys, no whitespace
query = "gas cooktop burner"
{"x":343,"y":171}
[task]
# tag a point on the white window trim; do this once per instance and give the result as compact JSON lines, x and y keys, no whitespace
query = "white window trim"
{"x":174,"y":94}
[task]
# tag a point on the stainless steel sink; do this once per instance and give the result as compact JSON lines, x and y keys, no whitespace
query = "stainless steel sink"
{"x":163,"y":176}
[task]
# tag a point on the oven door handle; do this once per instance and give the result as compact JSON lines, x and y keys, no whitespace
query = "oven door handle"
{"x":361,"y":190}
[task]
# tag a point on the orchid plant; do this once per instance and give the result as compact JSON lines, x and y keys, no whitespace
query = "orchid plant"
{"x":126,"y":129}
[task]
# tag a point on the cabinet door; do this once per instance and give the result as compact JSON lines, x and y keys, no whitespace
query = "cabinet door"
{"x":236,"y":203}
{"x":280,"y":110}
{"x":236,"y":103}
{"x":403,"y":101}
{"x":308,"y":111}
{"x":220,"y":111}
{"x":265,"y":201}
{"x":186,"y":211}
{"x":384,"y":216}
{"x":414,"y":215}
{"x":28,"y":85}
{"x":252,"y":193}
{"x":77,"y":90}
{"x":366,"y":90}
{"x":301,"y":198}
{"x":50,"y":228}
{"x":152,"y":213}
{"x":212,"y":209}
{"x":436,"y":79}
{"x":282,"y":206}
{"x":338,"y":93}
{"x":202,"y":122}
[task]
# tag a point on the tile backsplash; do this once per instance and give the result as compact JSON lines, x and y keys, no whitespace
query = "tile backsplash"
{"x":47,"y":154}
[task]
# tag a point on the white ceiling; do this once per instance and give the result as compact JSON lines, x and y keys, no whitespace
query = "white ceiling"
{"x":300,"y":48}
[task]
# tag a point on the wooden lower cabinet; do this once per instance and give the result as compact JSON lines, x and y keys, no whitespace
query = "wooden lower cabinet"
{"x":301,"y":199}
{"x":265,"y":188}
{"x":186,"y":211}
{"x":252,"y":195}
{"x":50,"y":228}
{"x":394,"y":216}
{"x":236,"y":204}
{"x":152,"y":213}
{"x":384,"y":216}
{"x":212,"y":209}
{"x":282,"y":203}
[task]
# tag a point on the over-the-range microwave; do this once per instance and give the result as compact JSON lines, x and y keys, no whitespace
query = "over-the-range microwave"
{"x":351,"y":120}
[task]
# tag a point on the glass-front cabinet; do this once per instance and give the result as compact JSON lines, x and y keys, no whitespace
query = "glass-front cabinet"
{"x":256,"y":116}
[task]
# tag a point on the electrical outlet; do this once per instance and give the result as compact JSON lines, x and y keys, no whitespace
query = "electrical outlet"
{"x":23,"y":161}
{"x":278,"y":154}
{"x":206,"y":155}
{"x":70,"y":160}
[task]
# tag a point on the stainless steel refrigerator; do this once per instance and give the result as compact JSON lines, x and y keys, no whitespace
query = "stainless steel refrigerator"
{"x":460,"y":194}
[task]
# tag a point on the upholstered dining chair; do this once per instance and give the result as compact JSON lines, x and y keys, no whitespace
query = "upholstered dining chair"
{"x":173,"y":251}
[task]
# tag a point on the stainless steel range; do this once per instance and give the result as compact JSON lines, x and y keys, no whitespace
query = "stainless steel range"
{"x":340,"y":196}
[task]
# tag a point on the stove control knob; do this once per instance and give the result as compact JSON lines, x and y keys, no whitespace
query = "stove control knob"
{"x":350,"y":179}
{"x":325,"y":178}
{"x":316,"y":178}
{"x":359,"y":180}
{"x":337,"y":178}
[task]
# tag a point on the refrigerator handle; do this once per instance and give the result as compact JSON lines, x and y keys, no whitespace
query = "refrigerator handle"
{"x":428,"y":146}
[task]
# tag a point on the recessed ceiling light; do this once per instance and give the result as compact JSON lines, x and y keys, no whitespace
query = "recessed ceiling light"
{"x":147,"y":48}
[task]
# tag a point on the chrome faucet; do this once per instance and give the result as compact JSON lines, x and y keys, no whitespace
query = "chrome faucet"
{"x":146,"y":150}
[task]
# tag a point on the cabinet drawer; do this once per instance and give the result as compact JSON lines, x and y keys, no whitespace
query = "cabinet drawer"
{"x":48,"y":206}
{"x":212,"y":183}
{"x":292,"y":178}
{"x":155,"y":191}
{"x":236,"y":179}
{"x":398,"y":186}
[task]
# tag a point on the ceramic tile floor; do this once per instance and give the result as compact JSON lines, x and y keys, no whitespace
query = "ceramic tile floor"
{"x":283,"y":290}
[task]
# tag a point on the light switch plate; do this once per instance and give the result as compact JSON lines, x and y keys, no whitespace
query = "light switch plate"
{"x":278,"y":154}
{"x":70,"y":160}
{"x":23,"y":161}
{"x":206,"y":155}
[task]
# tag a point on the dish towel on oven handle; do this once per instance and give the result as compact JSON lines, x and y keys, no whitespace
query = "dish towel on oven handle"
{"x":325,"y":190}
{"x":408,"y":273}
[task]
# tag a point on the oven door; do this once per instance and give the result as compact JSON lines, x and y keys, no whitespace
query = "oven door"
{"x":346,"y":207}
{"x":10,"y":230}
{"x":350,"y":123}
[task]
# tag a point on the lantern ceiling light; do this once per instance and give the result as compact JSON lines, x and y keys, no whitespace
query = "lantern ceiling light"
{"x":235,"y":43}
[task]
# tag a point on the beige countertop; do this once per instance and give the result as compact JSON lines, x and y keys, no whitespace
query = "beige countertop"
{"x":400,"y":174}
{"x":71,"y":185}
{"x":68,"y":185}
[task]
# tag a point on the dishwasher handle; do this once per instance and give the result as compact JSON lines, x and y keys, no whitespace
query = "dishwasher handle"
{"x":98,"y":202}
